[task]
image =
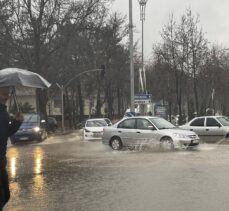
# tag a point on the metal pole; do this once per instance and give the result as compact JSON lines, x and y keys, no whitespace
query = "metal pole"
{"x":142,"y":4}
{"x":62,"y":107}
{"x":62,"y":87}
{"x":144,"y":85}
{"x":131,"y":58}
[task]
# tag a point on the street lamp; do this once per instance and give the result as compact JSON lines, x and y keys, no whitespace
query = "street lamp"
{"x":63,"y":87}
{"x":142,"y":4}
{"x":132,"y":109}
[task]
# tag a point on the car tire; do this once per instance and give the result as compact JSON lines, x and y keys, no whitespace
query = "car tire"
{"x":44,"y":135}
{"x":13,"y":143}
{"x":116,"y":143}
{"x":166,"y":143}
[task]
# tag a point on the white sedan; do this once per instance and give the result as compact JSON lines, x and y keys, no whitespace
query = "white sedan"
{"x":209,"y":128}
{"x":94,"y":128}
{"x":147,"y":130}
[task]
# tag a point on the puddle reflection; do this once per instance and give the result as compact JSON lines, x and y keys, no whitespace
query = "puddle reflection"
{"x":15,"y":168}
{"x":38,"y":169}
{"x":38,"y":155}
{"x":14,"y":156}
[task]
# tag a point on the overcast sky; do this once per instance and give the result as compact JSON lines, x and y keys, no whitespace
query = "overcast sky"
{"x":214,"y":18}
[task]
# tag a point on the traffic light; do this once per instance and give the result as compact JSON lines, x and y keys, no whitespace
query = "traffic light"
{"x":102,"y":73}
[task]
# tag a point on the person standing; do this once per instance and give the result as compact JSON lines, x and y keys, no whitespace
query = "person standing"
{"x":7,"y":129}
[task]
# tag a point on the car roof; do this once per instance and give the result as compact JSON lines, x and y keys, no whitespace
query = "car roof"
{"x":145,"y":117}
{"x":139,"y":117}
{"x":95,"y":119}
{"x":208,"y":116}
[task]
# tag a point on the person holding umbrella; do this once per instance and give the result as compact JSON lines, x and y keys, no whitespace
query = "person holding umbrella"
{"x":7,"y":129}
{"x":12,"y":77}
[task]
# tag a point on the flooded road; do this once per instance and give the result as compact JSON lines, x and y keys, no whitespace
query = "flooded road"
{"x":66,"y":173}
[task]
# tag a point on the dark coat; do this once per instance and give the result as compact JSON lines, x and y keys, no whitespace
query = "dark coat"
{"x":7,"y":129}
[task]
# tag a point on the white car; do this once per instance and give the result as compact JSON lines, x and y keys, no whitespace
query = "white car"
{"x":94,"y":128}
{"x":147,"y":130}
{"x":209,"y":128}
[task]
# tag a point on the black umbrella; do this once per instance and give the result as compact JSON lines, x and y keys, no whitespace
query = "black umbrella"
{"x":12,"y":77}
{"x":20,"y":77}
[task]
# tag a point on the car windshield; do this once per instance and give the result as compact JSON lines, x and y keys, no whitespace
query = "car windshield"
{"x":223,"y":120}
{"x":107,"y":121}
{"x":161,"y":123}
{"x":96,"y":123}
{"x":30,"y":118}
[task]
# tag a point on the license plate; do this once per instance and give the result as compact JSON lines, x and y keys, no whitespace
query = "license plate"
{"x":195,"y":141}
{"x":24,"y":138}
{"x":97,"y":134}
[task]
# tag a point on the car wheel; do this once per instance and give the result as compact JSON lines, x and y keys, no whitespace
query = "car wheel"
{"x":116,"y":143}
{"x":166,"y":143}
{"x":43,"y":136}
{"x":13,"y":143}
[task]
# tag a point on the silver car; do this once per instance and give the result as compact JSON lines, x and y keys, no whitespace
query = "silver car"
{"x":209,"y":128}
{"x":146,"y":130}
{"x":93,"y":128}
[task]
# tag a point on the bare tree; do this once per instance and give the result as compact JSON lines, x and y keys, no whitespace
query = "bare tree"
{"x":184,"y":50}
{"x":36,"y":29}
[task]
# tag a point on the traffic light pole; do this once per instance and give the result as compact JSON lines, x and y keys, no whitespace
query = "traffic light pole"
{"x":63,"y":87}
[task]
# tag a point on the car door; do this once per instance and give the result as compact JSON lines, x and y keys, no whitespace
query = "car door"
{"x":145,"y":131}
{"x":213,"y":129}
{"x":198,"y":126}
{"x":126,"y":131}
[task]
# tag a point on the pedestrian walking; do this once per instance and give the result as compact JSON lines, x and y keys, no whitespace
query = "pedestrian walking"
{"x":7,"y":128}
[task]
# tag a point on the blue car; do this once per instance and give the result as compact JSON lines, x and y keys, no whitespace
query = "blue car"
{"x":33,"y":128}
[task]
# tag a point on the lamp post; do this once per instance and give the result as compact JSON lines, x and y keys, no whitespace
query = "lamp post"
{"x":63,"y":87}
{"x":131,"y":57}
{"x":142,"y":4}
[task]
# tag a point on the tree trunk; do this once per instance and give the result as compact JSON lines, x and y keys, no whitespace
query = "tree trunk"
{"x":98,"y":102}
{"x":67,"y":109}
{"x":81,"y":104}
{"x":196,"y":94}
{"x":41,"y":101}
{"x":178,"y":96}
{"x":119,"y":101}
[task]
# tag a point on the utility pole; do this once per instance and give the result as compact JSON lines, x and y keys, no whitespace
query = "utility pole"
{"x":132,"y":109}
{"x":142,"y":4}
{"x":142,"y":76}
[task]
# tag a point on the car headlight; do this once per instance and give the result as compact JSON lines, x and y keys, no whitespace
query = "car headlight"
{"x":178,"y":135}
{"x":87,"y":131}
{"x":36,"y":129}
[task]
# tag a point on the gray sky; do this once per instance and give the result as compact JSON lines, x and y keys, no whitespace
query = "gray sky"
{"x":214,"y":18}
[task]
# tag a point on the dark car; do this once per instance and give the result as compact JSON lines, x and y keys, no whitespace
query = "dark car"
{"x":33,"y":128}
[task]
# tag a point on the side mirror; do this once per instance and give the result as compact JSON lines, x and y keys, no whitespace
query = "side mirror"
{"x":219,"y":126}
{"x":151,"y":127}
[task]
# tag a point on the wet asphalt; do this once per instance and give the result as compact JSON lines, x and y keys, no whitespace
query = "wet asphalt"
{"x":67,"y":174}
